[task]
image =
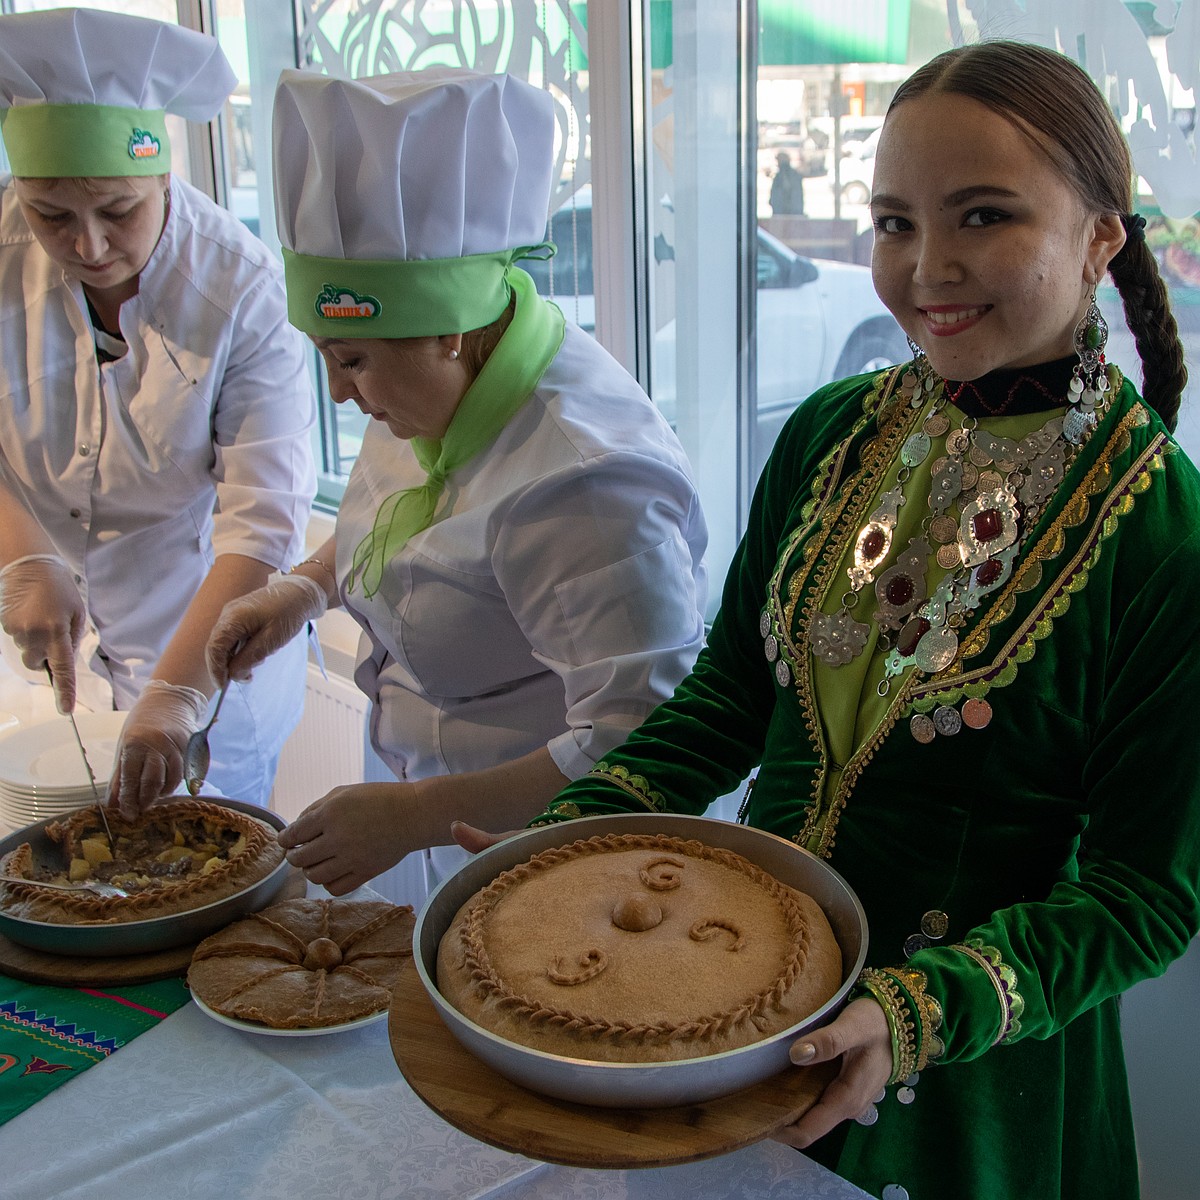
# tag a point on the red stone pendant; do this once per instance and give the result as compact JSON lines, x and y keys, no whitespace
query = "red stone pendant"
{"x":987,"y":525}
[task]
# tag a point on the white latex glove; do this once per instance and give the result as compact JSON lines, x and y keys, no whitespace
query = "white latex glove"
{"x":263,"y":621}
{"x":150,"y":755}
{"x":43,"y":613}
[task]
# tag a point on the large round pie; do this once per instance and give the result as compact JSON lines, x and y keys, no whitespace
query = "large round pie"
{"x":305,"y":964}
{"x":175,"y":857}
{"x":638,"y":948}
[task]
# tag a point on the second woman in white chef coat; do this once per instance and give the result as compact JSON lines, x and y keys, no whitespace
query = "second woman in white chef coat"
{"x":521,"y":539}
{"x":155,"y":408}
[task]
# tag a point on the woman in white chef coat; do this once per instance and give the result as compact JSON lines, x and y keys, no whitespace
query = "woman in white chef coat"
{"x":155,"y":409}
{"x":520,"y":540}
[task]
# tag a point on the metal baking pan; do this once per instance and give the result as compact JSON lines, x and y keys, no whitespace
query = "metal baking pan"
{"x":637,"y":1085}
{"x":137,"y":937}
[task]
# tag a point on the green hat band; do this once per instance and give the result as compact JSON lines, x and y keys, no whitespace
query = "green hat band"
{"x":389,"y":298}
{"x":52,"y":141}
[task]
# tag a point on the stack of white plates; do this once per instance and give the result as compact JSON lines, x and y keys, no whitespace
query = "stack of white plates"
{"x":41,"y":770}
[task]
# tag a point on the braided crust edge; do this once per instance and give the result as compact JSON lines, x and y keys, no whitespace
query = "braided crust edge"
{"x":30,"y":902}
{"x":756,"y":1017}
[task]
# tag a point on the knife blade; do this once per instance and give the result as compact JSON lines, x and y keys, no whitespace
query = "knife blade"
{"x":87,"y":766}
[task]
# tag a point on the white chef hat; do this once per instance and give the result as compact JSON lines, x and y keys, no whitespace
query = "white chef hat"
{"x":85,"y":92}
{"x":403,"y":200}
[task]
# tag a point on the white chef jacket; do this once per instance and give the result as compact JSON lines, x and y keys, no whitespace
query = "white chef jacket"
{"x":557,"y":597}
{"x":196,"y":442}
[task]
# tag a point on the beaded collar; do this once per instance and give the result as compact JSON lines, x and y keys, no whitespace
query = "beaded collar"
{"x":1011,"y":392}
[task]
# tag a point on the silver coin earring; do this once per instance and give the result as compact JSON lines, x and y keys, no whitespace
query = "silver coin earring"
{"x":1089,"y":379}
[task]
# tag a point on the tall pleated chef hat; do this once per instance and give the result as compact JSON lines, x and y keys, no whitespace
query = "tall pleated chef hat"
{"x":403,"y":200}
{"x":85,"y":92}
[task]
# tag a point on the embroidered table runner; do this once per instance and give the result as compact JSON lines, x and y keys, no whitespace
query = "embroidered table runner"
{"x":50,"y":1034}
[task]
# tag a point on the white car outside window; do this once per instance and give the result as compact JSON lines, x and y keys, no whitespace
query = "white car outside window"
{"x":857,"y":169}
{"x":818,"y":320}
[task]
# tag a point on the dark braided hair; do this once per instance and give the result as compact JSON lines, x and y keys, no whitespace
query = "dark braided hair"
{"x":1056,"y":103}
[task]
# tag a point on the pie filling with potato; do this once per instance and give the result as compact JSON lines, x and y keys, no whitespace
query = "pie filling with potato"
{"x":175,"y":857}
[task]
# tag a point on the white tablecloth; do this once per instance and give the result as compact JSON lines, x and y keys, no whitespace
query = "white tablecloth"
{"x":196,"y":1109}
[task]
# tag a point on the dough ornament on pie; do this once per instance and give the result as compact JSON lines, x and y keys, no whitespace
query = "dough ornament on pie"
{"x":175,"y":857}
{"x":638,"y":948}
{"x":305,"y":964}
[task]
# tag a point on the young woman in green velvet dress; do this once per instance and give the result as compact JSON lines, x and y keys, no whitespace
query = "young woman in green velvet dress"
{"x":955,"y":654}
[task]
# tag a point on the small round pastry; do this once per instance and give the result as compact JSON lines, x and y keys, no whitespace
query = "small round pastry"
{"x":305,"y":964}
{"x":638,"y":948}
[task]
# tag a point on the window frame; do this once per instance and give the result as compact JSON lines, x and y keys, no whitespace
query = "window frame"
{"x":623,"y":195}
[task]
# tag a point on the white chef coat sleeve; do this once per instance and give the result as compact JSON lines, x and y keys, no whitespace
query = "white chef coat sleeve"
{"x":262,"y":436}
{"x":602,"y":566}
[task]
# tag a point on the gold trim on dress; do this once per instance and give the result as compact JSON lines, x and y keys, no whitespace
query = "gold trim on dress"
{"x":882,"y":987}
{"x":1004,"y":979}
{"x":637,"y":786}
{"x":837,"y":512}
{"x":835,"y":521}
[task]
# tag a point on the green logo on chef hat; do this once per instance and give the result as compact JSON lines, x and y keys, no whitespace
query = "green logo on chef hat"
{"x":143,"y":145}
{"x":340,"y":303}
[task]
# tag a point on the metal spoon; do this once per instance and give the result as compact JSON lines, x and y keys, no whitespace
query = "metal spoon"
{"x":101,"y":889}
{"x":196,"y":756}
{"x":87,"y":766}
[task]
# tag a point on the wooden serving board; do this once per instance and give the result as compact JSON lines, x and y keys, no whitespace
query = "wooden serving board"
{"x":465,"y":1091}
{"x":60,"y":970}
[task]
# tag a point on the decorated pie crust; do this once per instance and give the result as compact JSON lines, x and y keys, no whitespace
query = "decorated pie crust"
{"x":174,"y":858}
{"x":305,"y":964}
{"x":638,"y":948}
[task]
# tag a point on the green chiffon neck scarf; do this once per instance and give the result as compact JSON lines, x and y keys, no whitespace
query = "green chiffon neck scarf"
{"x":527,"y":348}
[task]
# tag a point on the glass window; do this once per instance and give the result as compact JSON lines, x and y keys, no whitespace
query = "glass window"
{"x":761,"y":233}
{"x":257,"y":51}
{"x":743,"y":271}
{"x":696,"y":192}
{"x":568,"y":275}
{"x":159,"y":10}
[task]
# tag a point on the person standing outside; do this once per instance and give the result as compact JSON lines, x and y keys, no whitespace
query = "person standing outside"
{"x":787,"y":188}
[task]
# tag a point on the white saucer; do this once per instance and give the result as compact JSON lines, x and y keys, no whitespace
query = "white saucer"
{"x":18,"y":817}
{"x":255,"y":1027}
{"x":54,"y":796}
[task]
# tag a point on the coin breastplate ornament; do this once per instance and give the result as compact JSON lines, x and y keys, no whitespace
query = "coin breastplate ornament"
{"x":986,"y":493}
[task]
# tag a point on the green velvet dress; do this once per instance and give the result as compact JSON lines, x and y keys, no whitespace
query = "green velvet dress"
{"x":1061,"y":839}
